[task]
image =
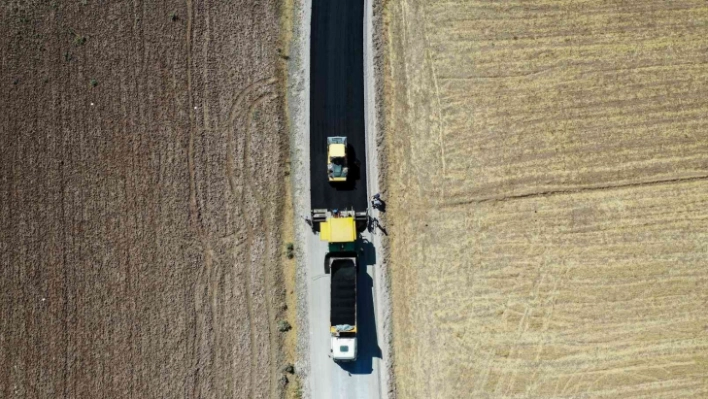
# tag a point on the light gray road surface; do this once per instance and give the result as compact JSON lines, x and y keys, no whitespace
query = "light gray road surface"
{"x":360,"y":379}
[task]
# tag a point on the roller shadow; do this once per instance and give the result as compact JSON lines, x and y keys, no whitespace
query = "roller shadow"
{"x":354,"y":175}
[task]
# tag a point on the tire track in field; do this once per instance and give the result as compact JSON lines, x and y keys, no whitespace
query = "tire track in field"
{"x":211,"y":281}
{"x":236,"y":108}
{"x":195,"y":211}
{"x":205,"y":66}
{"x":194,"y":215}
{"x":136,"y":118}
{"x":267,"y":278}
{"x":254,"y":94}
{"x":239,"y":120}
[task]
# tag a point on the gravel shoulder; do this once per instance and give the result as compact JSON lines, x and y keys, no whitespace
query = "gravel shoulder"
{"x":374,"y":113}
{"x":298,"y":99}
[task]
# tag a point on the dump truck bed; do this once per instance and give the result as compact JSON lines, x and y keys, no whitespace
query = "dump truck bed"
{"x":343,"y":292}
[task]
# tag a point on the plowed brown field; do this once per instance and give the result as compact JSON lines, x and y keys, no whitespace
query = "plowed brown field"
{"x":547,"y":190}
{"x":142,"y":149}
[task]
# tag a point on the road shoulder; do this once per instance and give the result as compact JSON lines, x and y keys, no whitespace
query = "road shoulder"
{"x":373,"y":114}
{"x":298,"y":100}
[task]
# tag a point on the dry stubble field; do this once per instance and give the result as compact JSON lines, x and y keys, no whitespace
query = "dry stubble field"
{"x":548,"y":198}
{"x":141,"y":162}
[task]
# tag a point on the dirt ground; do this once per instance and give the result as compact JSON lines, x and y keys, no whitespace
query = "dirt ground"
{"x":142,"y":162}
{"x":547,"y":187}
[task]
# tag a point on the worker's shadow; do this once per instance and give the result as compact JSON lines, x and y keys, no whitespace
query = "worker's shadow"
{"x":373,"y":224}
{"x":366,"y":318}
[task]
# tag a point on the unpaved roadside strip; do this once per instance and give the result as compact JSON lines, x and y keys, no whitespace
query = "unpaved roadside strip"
{"x":373,"y":30}
{"x":298,"y":99}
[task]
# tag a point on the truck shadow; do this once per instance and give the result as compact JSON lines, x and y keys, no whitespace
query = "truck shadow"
{"x":367,"y":253}
{"x":366,"y":318}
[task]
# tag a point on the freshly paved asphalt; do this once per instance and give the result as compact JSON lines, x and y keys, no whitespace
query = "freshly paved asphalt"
{"x":337,"y":100}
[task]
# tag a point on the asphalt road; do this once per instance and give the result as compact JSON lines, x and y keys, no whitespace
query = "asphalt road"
{"x":337,"y":100}
{"x":341,"y":103}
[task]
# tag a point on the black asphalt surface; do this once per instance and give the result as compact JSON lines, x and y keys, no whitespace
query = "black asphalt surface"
{"x":337,"y":100}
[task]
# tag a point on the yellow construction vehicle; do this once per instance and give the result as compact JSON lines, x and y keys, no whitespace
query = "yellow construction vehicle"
{"x":339,"y":229}
{"x":337,"y":167}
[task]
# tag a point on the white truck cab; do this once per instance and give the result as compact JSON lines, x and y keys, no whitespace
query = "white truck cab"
{"x":343,"y":349}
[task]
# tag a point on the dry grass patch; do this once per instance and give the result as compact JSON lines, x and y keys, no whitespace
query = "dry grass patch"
{"x":546,"y":181}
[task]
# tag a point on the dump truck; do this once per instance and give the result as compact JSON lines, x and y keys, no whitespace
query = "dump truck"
{"x":342,"y":315}
{"x":339,"y":229}
{"x":337,"y":166}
